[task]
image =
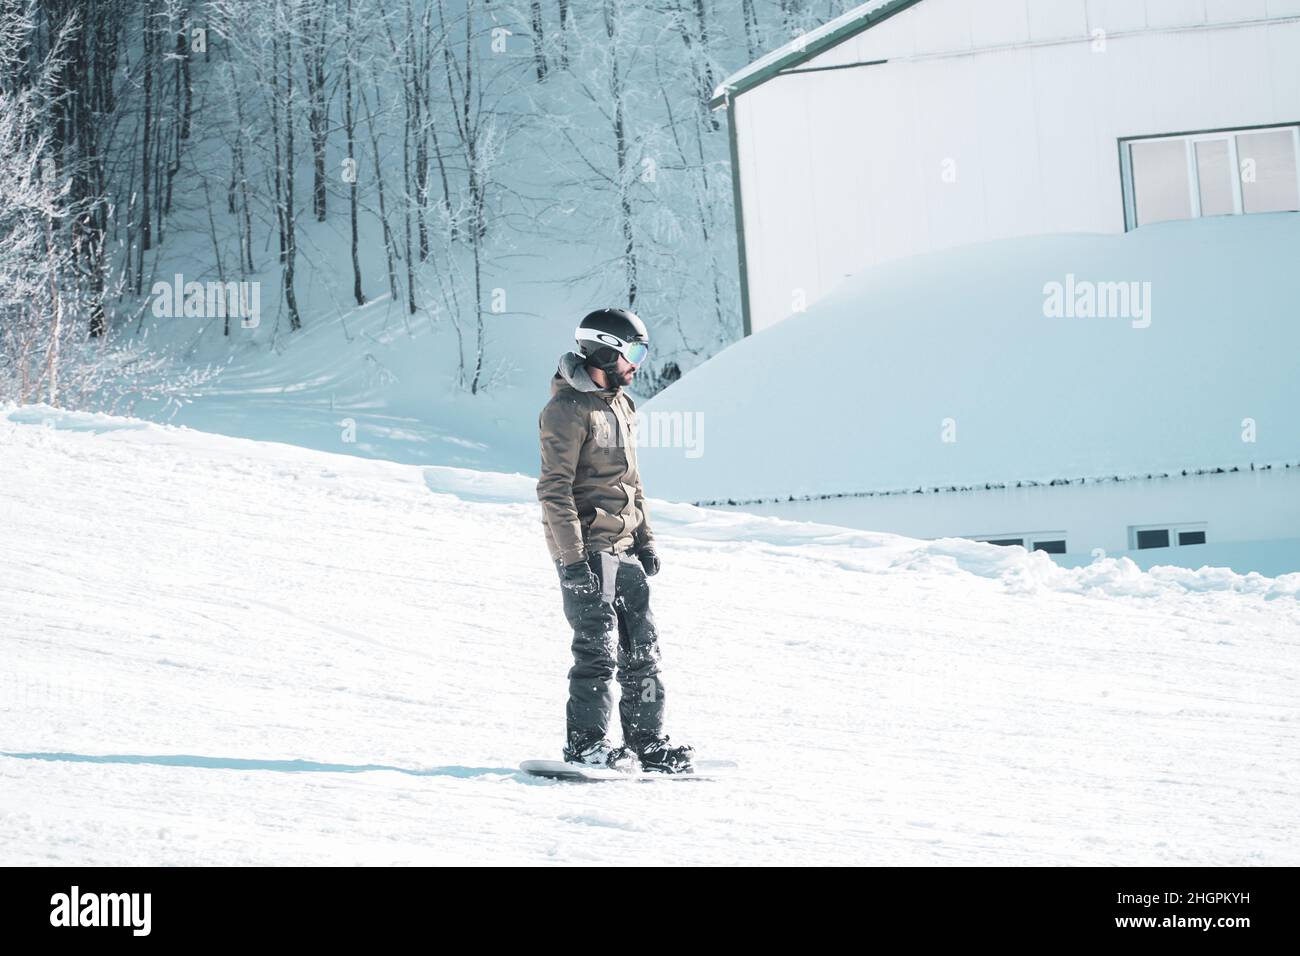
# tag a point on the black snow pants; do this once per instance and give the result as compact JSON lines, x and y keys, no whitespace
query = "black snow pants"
{"x":620,"y":610}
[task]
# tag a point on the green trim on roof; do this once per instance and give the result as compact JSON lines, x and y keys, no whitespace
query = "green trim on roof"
{"x":868,"y":19}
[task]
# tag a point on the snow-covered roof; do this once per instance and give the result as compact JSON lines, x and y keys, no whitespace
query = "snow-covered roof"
{"x":852,"y":396}
{"x":805,"y":46}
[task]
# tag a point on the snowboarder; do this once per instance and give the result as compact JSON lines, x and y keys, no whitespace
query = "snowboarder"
{"x":599,"y":536}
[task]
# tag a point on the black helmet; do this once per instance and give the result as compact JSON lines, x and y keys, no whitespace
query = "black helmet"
{"x":608,"y":333}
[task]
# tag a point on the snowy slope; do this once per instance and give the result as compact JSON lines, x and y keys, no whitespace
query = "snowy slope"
{"x":369,"y":383}
{"x":224,"y":651}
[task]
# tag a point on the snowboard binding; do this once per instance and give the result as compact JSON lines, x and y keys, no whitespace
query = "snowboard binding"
{"x":601,"y":753}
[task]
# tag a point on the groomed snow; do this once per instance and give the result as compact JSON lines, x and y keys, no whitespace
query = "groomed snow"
{"x":220,"y":651}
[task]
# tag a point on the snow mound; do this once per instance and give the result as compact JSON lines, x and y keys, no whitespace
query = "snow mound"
{"x":943,"y":370}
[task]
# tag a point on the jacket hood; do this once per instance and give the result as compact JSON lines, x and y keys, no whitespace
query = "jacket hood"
{"x":572,"y":372}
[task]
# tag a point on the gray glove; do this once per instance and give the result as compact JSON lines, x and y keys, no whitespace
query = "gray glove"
{"x":649,"y":559}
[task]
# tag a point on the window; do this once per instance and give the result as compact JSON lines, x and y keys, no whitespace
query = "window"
{"x":1153,"y":539}
{"x":1053,"y":542}
{"x":1219,"y":173}
{"x":1165,"y":535}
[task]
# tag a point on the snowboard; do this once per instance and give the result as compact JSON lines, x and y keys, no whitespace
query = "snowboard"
{"x":559,"y":770}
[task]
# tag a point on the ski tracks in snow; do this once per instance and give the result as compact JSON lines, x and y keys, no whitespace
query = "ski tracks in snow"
{"x":223,"y":651}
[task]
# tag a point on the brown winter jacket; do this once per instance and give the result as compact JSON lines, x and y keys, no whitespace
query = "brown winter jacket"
{"x":590,"y":488}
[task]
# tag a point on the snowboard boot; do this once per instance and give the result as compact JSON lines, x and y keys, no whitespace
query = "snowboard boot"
{"x":600,"y":753}
{"x":658,"y":756}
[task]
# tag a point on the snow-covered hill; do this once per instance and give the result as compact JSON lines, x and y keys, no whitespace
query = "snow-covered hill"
{"x":224,"y":651}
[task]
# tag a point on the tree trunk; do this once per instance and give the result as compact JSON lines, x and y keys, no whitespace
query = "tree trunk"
{"x":564,"y":34}
{"x":313,"y":60}
{"x":146,"y":211}
{"x":349,"y":121}
{"x":620,"y":150}
{"x":290,"y":223}
{"x":539,"y":46}
{"x":706,"y":68}
{"x":752,"y":40}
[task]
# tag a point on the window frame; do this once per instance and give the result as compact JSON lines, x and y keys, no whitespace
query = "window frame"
{"x":1190,"y":138}
{"x":1031,"y":540}
{"x":1174,"y":529}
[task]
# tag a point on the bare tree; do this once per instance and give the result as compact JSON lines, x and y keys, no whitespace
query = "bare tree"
{"x":314,"y":27}
{"x":351,"y":27}
{"x":390,"y":250}
{"x":539,"y":41}
{"x":262,"y":38}
{"x":46,"y":222}
{"x":564,"y":34}
{"x":148,"y":57}
{"x":282,"y":120}
{"x":753,"y":44}
{"x":479,"y":127}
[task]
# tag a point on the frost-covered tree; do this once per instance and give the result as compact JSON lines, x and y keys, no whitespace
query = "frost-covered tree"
{"x":478,"y":147}
{"x":54,"y":225}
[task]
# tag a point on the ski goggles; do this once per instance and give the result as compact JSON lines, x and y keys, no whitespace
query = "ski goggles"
{"x":634,"y":352}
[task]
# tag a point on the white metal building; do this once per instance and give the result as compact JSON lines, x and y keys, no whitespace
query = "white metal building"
{"x":907,"y":126}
